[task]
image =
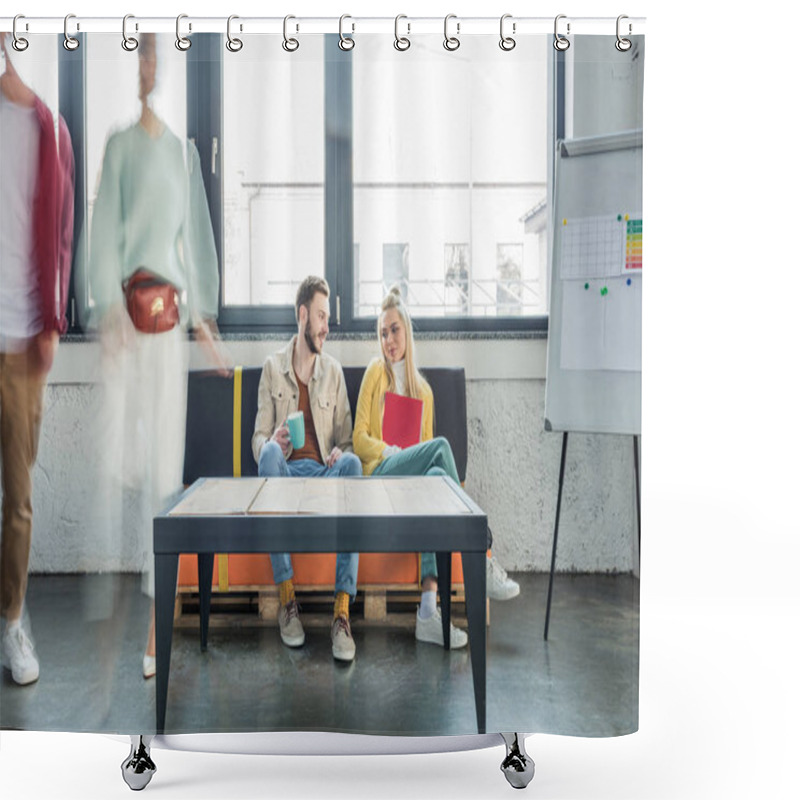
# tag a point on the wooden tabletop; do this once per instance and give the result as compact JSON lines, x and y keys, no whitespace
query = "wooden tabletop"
{"x":363,"y":496}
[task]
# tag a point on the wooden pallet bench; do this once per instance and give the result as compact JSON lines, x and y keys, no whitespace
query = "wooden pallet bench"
{"x":392,"y":605}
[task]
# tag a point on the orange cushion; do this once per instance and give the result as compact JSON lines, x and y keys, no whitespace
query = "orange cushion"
{"x":315,"y":569}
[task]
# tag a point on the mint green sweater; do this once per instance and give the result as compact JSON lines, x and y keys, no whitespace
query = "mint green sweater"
{"x":151,"y":211}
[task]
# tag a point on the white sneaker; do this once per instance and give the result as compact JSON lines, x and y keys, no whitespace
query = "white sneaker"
{"x":498,"y":585}
{"x":430,"y":630}
{"x":344,"y":647}
{"x":19,"y":656}
{"x":148,"y":666}
{"x":292,"y":633}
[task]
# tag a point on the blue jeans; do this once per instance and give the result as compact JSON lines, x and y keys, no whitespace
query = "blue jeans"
{"x":427,"y":458}
{"x":272,"y":464}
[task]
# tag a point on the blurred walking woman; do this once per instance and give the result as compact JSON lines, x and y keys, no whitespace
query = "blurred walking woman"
{"x":151,"y":274}
{"x":396,"y":371}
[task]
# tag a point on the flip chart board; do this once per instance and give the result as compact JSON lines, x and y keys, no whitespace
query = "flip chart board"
{"x":594,"y":348}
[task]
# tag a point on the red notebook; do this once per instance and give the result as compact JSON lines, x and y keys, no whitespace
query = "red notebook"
{"x":402,"y":420}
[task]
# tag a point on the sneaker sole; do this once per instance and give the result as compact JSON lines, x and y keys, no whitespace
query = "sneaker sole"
{"x":346,"y":656}
{"x":506,"y":596}
{"x":441,"y":644}
{"x":23,"y":682}
{"x":299,"y":642}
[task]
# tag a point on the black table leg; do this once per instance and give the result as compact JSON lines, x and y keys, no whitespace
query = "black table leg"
{"x":443,"y":567}
{"x":205,"y":574}
{"x":475,"y":590}
{"x":166,"y":579}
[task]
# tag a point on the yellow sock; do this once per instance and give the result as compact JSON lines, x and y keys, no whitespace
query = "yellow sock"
{"x":287,"y":592}
{"x":341,"y":607}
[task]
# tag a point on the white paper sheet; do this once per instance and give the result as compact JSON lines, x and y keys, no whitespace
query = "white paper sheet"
{"x":602,"y":327}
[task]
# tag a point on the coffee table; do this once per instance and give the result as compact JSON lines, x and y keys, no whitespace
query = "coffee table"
{"x":322,"y":515}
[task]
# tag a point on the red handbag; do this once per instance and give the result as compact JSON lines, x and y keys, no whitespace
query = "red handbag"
{"x":152,"y":302}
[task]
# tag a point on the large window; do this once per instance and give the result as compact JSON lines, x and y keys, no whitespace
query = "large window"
{"x":449,"y":152}
{"x":274,"y":163}
{"x":424,"y":168}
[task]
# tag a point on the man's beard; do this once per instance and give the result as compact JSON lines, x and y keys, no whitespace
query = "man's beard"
{"x":312,"y":345}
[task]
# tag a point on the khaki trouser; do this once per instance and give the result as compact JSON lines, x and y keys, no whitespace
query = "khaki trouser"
{"x":21,"y":396}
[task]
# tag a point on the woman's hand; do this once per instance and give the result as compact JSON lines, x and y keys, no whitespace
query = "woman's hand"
{"x":215,"y":351}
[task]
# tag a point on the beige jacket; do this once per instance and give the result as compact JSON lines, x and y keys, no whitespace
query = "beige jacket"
{"x":278,"y":396}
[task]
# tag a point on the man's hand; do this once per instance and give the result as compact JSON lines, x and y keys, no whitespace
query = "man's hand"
{"x":281,"y":436}
{"x":334,"y":456}
{"x":44,"y":350}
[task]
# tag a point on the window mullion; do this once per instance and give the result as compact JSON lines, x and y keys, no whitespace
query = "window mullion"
{"x":339,"y":180}
{"x":71,"y":102}
{"x":204,"y":126}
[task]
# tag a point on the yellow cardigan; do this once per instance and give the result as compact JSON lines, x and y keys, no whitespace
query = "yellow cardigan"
{"x":368,"y":441}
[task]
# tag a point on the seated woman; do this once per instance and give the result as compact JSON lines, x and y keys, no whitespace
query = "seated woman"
{"x":396,"y":372}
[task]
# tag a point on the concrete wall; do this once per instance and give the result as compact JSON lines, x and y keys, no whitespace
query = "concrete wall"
{"x":512,"y":473}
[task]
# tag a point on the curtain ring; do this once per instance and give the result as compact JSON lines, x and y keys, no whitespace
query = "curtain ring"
{"x":129,"y":43}
{"x":506,"y":42}
{"x":19,"y":43}
{"x":233,"y":44}
{"x":289,"y":45}
{"x":70,"y":42}
{"x":401,"y":43}
{"x":623,"y":44}
{"x":451,"y":42}
{"x":182,"y":42}
{"x":346,"y":42}
{"x":559,"y":42}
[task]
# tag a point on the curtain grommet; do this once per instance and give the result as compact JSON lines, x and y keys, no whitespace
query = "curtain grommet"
{"x":20,"y":43}
{"x":289,"y":44}
{"x":183,"y":43}
{"x":346,"y":43}
{"x":401,"y":43}
{"x":129,"y":43}
{"x":70,"y":42}
{"x":561,"y":43}
{"x":507,"y":43}
{"x":233,"y":44}
{"x":451,"y":43}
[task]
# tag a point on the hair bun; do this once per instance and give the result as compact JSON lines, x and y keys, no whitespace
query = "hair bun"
{"x":395,"y":290}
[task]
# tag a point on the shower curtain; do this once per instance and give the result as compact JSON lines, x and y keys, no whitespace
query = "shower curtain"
{"x":230,"y":169}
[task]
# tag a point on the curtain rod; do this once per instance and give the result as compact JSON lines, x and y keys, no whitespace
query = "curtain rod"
{"x":348,"y":25}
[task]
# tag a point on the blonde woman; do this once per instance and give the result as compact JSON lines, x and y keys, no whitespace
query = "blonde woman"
{"x":396,"y":372}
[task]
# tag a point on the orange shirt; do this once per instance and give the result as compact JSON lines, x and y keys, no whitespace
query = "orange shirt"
{"x":311,"y":447}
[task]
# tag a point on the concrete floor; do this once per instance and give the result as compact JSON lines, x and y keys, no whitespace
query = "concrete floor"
{"x":582,"y":682}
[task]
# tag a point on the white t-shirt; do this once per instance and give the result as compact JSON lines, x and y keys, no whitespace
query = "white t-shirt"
{"x":399,"y":369}
{"x":20,"y":315}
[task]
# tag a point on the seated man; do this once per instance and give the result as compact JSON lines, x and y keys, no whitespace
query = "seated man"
{"x":301,"y":378}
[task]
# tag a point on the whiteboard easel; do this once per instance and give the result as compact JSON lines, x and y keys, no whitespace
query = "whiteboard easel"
{"x":594,"y":355}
